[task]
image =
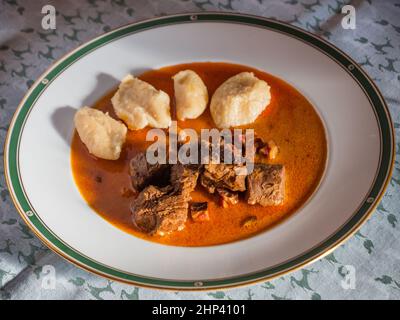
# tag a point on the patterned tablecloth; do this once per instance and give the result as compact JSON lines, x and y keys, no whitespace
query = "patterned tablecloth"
{"x":26,"y":50}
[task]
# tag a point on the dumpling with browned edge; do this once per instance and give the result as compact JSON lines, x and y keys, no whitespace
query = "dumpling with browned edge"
{"x":191,"y":95}
{"x":101,"y":134}
{"x":239,"y":100}
{"x":139,"y":104}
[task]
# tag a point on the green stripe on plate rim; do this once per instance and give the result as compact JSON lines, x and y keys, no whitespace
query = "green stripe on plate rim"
{"x":33,"y":220}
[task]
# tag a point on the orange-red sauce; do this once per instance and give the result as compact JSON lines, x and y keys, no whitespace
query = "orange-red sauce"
{"x":290,"y":120}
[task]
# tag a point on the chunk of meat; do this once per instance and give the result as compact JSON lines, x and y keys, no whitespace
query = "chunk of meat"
{"x":212,"y":151}
{"x":223,"y":176}
{"x":269,"y":150}
{"x":101,"y":134}
{"x":199,"y":211}
{"x":259,"y":143}
{"x":249,"y":222}
{"x":273,"y":149}
{"x":143,"y":173}
{"x":266,"y":185}
{"x":159,"y":210}
{"x":228,"y":197}
{"x":184,"y":177}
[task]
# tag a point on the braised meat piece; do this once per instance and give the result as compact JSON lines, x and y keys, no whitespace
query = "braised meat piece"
{"x":249,"y":222}
{"x":184,"y":177}
{"x":226,"y":152}
{"x":160,"y":210}
{"x":144,"y":174}
{"x":266,"y":185}
{"x":223,"y":176}
{"x":199,"y":211}
{"x":269,"y":150}
{"x":163,"y":202}
{"x":228,"y":197}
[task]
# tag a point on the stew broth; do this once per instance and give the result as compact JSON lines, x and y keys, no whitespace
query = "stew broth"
{"x":290,"y":120}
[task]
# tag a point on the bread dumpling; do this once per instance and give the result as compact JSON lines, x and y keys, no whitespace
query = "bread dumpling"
{"x":139,"y":104}
{"x":191,"y":95}
{"x":239,"y":100}
{"x":101,"y":134}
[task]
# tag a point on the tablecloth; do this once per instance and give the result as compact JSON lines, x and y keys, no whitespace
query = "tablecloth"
{"x":26,"y":50}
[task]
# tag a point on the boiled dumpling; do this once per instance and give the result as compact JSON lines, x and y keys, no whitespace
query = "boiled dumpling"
{"x":101,"y":134}
{"x":191,"y":95}
{"x":139,"y":104}
{"x":239,"y":100}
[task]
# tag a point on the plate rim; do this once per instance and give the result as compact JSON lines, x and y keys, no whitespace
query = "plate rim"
{"x":375,"y":194}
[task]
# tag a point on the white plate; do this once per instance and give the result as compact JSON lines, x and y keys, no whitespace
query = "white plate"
{"x":360,"y":143}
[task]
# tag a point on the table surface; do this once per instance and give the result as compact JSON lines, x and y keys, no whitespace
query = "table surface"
{"x":26,"y":50}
